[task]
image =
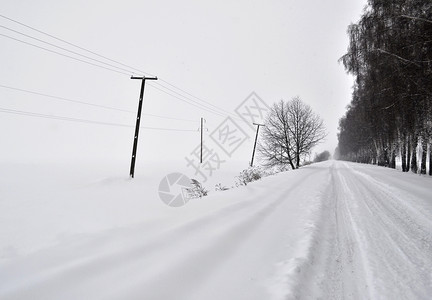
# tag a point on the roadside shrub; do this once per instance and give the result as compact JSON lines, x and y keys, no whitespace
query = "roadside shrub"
{"x":197,"y":190}
{"x":249,"y":175}
{"x":220,"y":187}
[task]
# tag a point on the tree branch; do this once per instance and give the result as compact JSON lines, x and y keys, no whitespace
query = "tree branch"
{"x":416,"y":18}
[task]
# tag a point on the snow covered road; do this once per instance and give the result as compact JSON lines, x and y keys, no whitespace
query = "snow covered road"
{"x":332,"y":230}
{"x":376,"y":240}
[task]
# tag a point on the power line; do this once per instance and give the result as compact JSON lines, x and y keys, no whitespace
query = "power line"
{"x":63,"y":118}
{"x":195,"y":105}
{"x":68,"y":56}
{"x":62,"y":54}
{"x":169,"y":118}
{"x":203,"y":106}
{"x":64,"y":99}
{"x":186,"y":101}
{"x":67,"y":50}
{"x":168,"y":129}
{"x":225,"y":111}
{"x":71,"y":44}
{"x":189,"y":99}
{"x":90,"y":104}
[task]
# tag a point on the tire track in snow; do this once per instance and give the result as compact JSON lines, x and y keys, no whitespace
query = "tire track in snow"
{"x":355,"y":237}
{"x":374,"y":242}
{"x":336,"y":264}
{"x":204,"y":244}
{"x":223,"y":247}
{"x":397,"y":237}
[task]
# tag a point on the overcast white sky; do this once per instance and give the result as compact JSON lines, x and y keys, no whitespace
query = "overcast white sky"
{"x":219,"y":51}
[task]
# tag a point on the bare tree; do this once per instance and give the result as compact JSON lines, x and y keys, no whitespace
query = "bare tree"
{"x":292,"y":130}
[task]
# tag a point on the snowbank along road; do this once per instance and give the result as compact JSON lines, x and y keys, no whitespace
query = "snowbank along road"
{"x":332,"y":230}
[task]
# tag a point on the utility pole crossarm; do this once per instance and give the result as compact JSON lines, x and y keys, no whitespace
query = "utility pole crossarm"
{"x":137,"y":125}
{"x":143,"y":77}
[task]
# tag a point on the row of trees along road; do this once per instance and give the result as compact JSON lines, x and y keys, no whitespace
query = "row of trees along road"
{"x":390,"y":56}
{"x":291,"y":130}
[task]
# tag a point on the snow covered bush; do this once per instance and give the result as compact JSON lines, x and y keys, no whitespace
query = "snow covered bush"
{"x":249,"y":175}
{"x":220,"y":187}
{"x":197,"y":190}
{"x":270,"y":171}
{"x":278,"y":169}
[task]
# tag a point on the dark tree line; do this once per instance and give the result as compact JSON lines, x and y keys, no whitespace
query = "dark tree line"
{"x":323,"y":156}
{"x":390,"y":56}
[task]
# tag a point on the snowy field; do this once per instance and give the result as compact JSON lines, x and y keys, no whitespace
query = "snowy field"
{"x":333,"y":230}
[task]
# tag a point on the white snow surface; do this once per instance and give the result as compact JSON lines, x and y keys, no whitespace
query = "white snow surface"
{"x":333,"y":230}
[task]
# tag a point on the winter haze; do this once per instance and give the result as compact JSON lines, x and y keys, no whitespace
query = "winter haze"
{"x":217,"y":51}
{"x":75,"y":225}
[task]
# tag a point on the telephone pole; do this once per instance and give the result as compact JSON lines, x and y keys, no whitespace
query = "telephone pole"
{"x":137,"y":126}
{"x":202,"y":127}
{"x":256,"y":138}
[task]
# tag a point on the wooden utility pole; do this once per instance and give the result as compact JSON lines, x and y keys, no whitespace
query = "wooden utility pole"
{"x":202,"y":127}
{"x":256,"y":138}
{"x":137,"y":126}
